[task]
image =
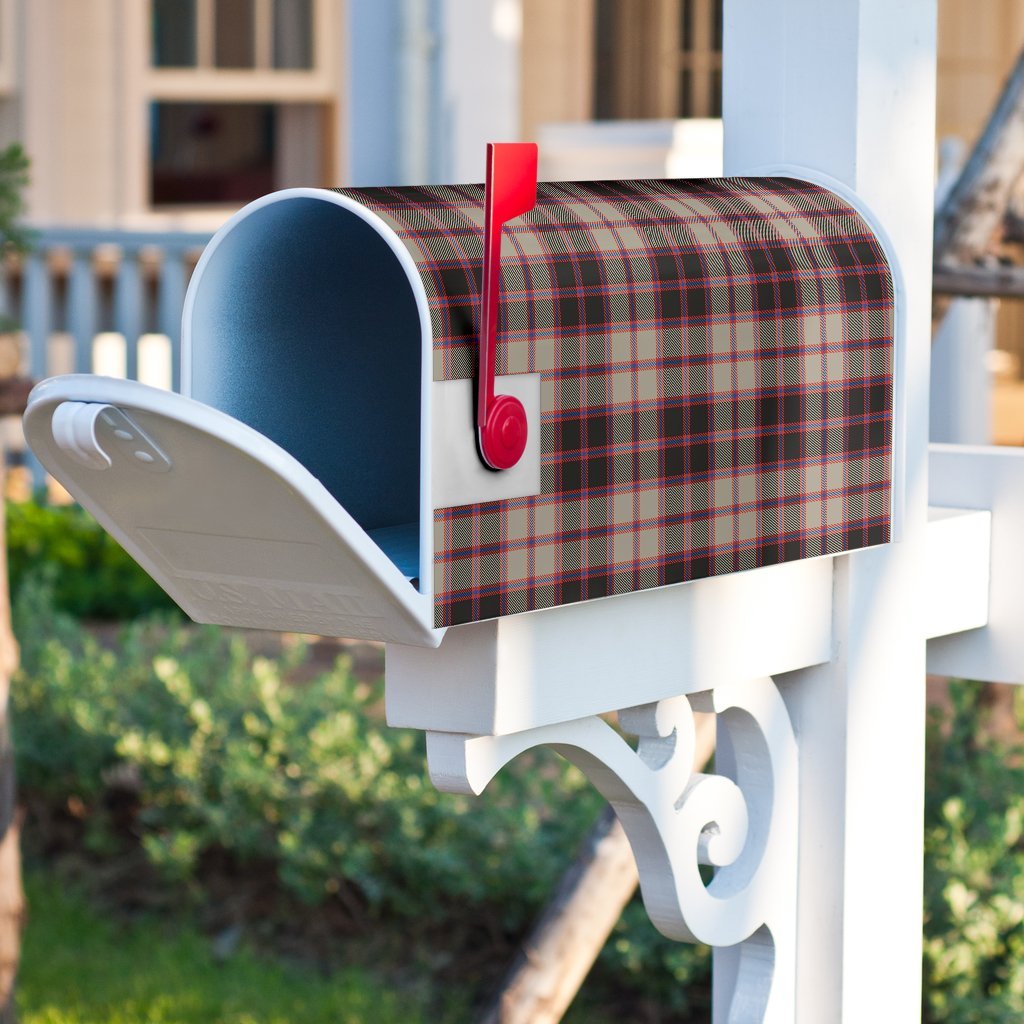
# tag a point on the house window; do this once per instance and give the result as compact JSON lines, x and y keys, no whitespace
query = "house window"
{"x":234,"y":34}
{"x":658,"y":58}
{"x":212,"y":152}
{"x":256,"y":35}
{"x":227,"y":154}
{"x":174,"y":33}
{"x":293,"y":34}
{"x":242,"y":98}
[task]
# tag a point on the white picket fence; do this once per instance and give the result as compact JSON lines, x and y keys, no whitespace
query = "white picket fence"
{"x":99,"y":301}
{"x":102,"y":301}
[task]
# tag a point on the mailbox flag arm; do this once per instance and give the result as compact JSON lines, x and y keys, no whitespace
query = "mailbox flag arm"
{"x":511,"y":190}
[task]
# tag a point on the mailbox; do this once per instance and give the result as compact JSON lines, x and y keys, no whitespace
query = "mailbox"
{"x":704,"y":369}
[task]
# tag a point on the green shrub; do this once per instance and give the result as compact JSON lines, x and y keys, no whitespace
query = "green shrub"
{"x":227,"y":756}
{"x":14,"y":236}
{"x":974,"y":869}
{"x":90,"y":573}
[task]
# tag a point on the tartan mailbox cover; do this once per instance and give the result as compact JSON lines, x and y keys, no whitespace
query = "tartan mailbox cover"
{"x":706,"y":368}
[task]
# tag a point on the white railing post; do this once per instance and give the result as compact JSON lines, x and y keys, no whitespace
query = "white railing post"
{"x":960,"y":409}
{"x":961,"y":389}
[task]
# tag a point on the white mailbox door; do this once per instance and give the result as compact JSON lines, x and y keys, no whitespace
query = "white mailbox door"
{"x":231,"y":526}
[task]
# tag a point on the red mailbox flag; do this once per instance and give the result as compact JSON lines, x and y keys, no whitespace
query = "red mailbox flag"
{"x":511,"y":190}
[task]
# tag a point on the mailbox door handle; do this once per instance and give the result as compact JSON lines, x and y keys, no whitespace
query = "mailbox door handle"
{"x":511,"y":190}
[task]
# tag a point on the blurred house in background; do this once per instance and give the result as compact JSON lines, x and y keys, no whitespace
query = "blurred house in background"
{"x":167,"y":113}
{"x":150,"y":121}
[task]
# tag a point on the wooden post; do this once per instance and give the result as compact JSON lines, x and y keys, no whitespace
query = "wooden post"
{"x":977,"y":203}
{"x":13,"y":395}
{"x":848,"y":89}
{"x":12,"y":901}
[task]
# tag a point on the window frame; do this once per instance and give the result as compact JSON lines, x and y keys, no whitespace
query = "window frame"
{"x":262,"y":83}
{"x":144,"y":85}
{"x":650,"y":60}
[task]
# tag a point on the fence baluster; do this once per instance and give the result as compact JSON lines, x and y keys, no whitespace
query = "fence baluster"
{"x":85,"y":310}
{"x":5,"y":291}
{"x":36,"y":312}
{"x":128,"y":308}
{"x":170,"y":300}
{"x":82,"y":308}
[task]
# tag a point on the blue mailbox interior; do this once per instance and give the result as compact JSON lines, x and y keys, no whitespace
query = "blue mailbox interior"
{"x":304,"y":326}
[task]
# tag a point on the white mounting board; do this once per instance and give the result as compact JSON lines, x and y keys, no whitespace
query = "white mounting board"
{"x":975,"y":477}
{"x":229,"y":524}
{"x":539,"y":668}
{"x":959,"y":543}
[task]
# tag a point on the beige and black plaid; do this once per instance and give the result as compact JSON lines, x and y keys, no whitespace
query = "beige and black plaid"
{"x":716,"y":360}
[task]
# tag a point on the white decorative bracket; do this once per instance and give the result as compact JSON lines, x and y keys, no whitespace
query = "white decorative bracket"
{"x":743,"y":822}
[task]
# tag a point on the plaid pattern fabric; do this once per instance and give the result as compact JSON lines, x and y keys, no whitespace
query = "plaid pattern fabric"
{"x":716,"y":360}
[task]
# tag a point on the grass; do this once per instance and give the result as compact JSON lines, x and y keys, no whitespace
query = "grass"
{"x":79,"y":968}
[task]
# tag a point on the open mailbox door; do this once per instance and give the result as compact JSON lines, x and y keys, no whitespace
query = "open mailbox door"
{"x":236,"y":530}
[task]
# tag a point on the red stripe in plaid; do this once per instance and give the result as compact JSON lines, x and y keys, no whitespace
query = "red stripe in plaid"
{"x":716,"y":361}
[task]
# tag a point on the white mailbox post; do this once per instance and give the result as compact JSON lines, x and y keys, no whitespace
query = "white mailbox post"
{"x":850,"y":88}
{"x":816,"y":911}
{"x":813,"y":660}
